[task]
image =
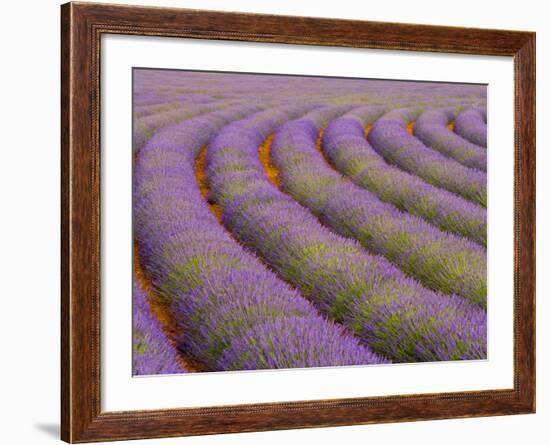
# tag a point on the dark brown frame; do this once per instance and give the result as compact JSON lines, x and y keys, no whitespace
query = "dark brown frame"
{"x":82,"y":25}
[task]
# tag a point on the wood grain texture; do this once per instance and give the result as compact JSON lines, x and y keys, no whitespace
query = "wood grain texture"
{"x":81,"y":28}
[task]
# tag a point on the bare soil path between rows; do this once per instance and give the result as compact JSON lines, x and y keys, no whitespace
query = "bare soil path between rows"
{"x":200,"y":175}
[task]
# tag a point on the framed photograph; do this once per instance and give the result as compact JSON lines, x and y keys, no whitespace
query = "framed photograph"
{"x":274,"y":222}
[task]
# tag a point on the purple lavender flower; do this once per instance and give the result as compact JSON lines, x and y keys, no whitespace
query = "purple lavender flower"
{"x":431,"y":128}
{"x":145,"y":127}
{"x":218,"y":293}
{"x":345,"y":146}
{"x":471,"y":124}
{"x":390,"y":139}
{"x":304,"y":343}
{"x":334,"y":273}
{"x":440,"y":260}
{"x":152,"y":351}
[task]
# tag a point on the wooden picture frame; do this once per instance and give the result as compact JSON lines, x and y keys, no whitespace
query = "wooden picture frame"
{"x":82,"y":25}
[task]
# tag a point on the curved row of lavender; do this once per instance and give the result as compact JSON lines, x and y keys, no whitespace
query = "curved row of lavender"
{"x":440,"y":260}
{"x":231,"y":312}
{"x":146,"y":126}
{"x":393,"y":314}
{"x":171,"y":104}
{"x":471,"y":124}
{"x":346,"y":148}
{"x":141,"y":111}
{"x":391,"y":140}
{"x":431,"y":128}
{"x":152,"y":352}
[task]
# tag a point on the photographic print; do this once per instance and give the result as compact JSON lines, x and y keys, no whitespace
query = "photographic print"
{"x":293,"y":221}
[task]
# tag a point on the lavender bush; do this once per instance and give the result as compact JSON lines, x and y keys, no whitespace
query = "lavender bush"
{"x":145,"y":127}
{"x":219,"y":294}
{"x":345,"y":146}
{"x":441,"y":261}
{"x":152,"y":351}
{"x":471,"y":124}
{"x":390,"y":139}
{"x":431,"y":128}
{"x":364,"y":292}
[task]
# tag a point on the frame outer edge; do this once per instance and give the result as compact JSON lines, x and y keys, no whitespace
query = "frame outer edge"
{"x":525,"y":61}
{"x":81,"y":416}
{"x":79,"y":230}
{"x":66,"y":49}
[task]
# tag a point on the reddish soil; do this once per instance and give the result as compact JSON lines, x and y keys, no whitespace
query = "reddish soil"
{"x":318,"y":145}
{"x":271,"y":171}
{"x":200,"y":174}
{"x":367,"y":130}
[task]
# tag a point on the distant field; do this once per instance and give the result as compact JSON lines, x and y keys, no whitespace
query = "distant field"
{"x":292,"y":222}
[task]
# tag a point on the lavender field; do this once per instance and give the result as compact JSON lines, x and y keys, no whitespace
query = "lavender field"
{"x":294,"y":222}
